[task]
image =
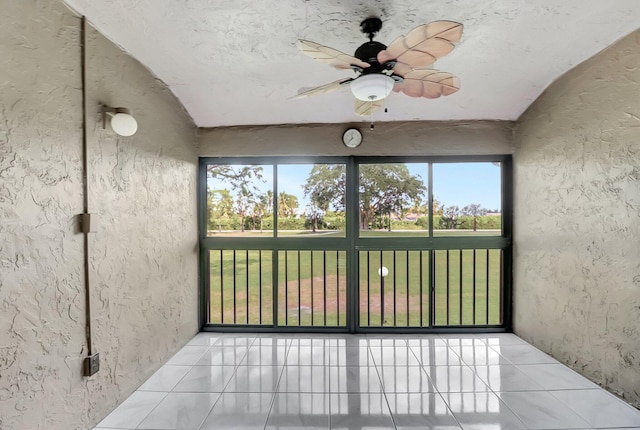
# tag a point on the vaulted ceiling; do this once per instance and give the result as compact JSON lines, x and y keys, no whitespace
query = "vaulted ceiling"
{"x":235,"y":62}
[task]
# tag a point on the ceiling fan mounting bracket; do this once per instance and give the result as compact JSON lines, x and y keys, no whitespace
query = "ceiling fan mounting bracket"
{"x":371,"y":26}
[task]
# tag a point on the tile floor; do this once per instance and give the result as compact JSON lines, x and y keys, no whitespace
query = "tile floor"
{"x":490,"y":381}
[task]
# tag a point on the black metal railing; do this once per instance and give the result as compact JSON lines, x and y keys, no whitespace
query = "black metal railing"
{"x":240,"y":287}
{"x":467,"y":287}
{"x":312,"y":288}
{"x":396,"y":288}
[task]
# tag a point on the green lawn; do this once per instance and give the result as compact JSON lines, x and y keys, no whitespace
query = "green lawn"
{"x":313,"y":292}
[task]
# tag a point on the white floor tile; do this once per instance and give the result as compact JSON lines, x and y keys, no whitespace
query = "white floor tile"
{"x":299,"y":411}
{"x":223,"y":356}
{"x":351,"y":356}
{"x":165,"y":378}
{"x":437,"y":356}
{"x":455,"y":379}
{"x":556,"y":377}
{"x":304,"y":379}
{"x":229,"y":339}
{"x":180,"y":411}
{"x":360,"y":411}
{"x":479,"y":355}
{"x":344,"y":379}
{"x":448,"y":382}
{"x":188,"y":355}
{"x":239,"y":411}
{"x":599,"y":408}
{"x":463,"y":339}
{"x":254,"y":379}
{"x":307,"y":355}
{"x":405,"y":379}
{"x":349,"y":340}
{"x":524,"y":354}
{"x":499,"y":339}
{"x":205,"y":379}
{"x":394,"y":356}
{"x":540,"y":410}
{"x":425,"y":341}
{"x":506,"y":378}
{"x":476,"y":411}
{"x":204,"y":339}
{"x":265,"y":356}
{"x":393,"y":341}
{"x":133,"y":410}
{"x":420,"y":411}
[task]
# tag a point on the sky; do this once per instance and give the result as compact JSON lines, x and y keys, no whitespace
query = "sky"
{"x":453,"y":183}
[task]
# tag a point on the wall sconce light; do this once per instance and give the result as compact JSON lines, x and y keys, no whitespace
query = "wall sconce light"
{"x":122,"y":122}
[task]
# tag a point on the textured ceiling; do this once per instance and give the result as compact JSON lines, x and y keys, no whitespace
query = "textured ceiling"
{"x":235,"y":62}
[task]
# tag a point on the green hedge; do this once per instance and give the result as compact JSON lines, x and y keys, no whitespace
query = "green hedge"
{"x":337,"y":222}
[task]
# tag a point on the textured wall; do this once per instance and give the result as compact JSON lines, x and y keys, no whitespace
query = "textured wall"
{"x":143,"y":256}
{"x":577,"y":218}
{"x":392,"y":138}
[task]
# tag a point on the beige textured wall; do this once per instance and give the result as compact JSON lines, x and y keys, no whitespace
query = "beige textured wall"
{"x":396,"y":138}
{"x":577,"y":220}
{"x":144,"y":254}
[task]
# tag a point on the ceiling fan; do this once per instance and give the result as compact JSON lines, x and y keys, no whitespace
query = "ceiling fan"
{"x":401,"y":66}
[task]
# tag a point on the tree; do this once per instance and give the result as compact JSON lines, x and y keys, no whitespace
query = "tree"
{"x":474,"y":210}
{"x":450,"y":216}
{"x":313,"y":215}
{"x":387,"y":189}
{"x":220,"y":205}
{"x":287,"y":205}
{"x":243,"y":183}
{"x":325,"y":186}
{"x":437,"y":206}
{"x":262,"y":207}
{"x":384,"y":189}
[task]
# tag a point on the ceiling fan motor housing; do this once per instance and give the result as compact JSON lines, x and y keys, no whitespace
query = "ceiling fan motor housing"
{"x":368,"y":52}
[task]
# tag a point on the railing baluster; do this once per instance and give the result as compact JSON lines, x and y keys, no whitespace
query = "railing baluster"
{"x":338,"y":284}
{"x":260,"y":281}
{"x":474,"y":286}
{"x":394,"y":288}
{"x":460,"y":297}
{"x":381,"y":292}
{"x":312,"y":306}
{"x":324,"y":271}
{"x":299,"y":293}
{"x":500,"y":299}
{"x":432,"y":262}
{"x":221,"y":286}
{"x":286,"y":288}
{"x":368,"y":288}
{"x":420,"y":286}
{"x":487,"y":298}
{"x":235,"y":275}
{"x":407,"y":277}
{"x":447,"y":287}
{"x":246,"y":260}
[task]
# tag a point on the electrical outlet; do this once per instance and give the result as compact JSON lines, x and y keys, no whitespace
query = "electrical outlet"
{"x":91,"y":364}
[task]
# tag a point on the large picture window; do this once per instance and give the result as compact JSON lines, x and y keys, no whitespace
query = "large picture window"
{"x":356,"y":244}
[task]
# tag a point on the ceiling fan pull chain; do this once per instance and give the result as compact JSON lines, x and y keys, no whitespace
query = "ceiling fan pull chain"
{"x":371,"y":113}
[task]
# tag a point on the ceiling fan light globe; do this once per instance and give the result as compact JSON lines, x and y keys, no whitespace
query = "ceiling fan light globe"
{"x":372,"y":87}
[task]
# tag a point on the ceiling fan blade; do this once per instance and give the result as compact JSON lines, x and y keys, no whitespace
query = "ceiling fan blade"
{"x":423,"y":45}
{"x":322,"y":89}
{"x":330,"y":56}
{"x":366,"y":108}
{"x":428,"y":83}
